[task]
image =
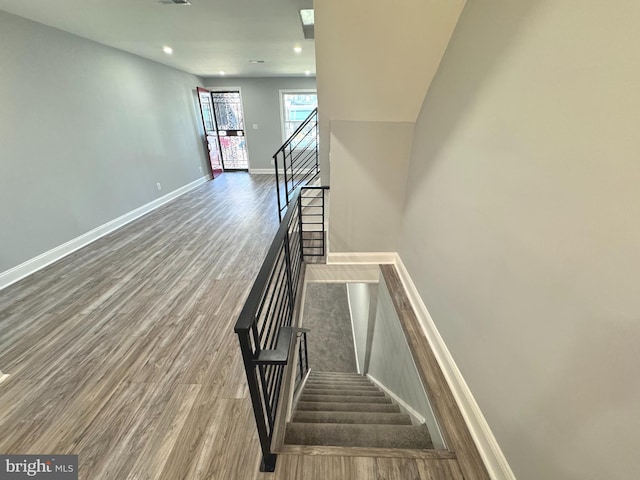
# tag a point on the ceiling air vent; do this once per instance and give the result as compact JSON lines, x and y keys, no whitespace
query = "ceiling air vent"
{"x":175,"y":2}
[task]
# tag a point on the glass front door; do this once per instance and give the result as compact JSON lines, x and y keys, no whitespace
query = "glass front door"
{"x":211,"y":136}
{"x":229,"y":117}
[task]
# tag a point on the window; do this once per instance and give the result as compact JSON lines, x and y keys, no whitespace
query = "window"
{"x":296,"y":107}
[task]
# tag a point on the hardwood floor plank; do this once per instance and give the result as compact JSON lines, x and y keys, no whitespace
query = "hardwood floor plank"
{"x":228,"y":439}
{"x":439,"y":470}
{"x":400,"y":468}
{"x":153,"y":456}
{"x":191,"y":444}
{"x":115,"y":436}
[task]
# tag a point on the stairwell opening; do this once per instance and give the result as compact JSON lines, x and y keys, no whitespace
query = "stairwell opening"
{"x":363,"y":389}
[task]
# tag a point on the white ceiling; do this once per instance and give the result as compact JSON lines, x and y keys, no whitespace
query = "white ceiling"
{"x":206,"y":37}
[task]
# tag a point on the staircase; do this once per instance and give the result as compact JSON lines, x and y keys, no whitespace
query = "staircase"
{"x":347,"y":410}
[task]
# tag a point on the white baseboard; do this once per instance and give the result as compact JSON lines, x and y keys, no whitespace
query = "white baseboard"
{"x":338,"y":258}
{"x":25,"y":269}
{"x":486,"y":442}
{"x":408,"y":408}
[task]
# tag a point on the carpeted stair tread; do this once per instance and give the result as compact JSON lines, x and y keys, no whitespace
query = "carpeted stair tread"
{"x":348,"y":407}
{"x":315,"y":373}
{"x":337,"y":381}
{"x":340,"y":391}
{"x":354,"y":376}
{"x":341,"y":384}
{"x":340,"y":379}
{"x":344,"y":386}
{"x":361,"y":435}
{"x":348,"y":410}
{"x":344,"y":398}
{"x":352,"y":417}
{"x":357,"y":378}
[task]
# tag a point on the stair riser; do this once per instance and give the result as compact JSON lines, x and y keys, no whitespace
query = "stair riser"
{"x":340,"y":380}
{"x":334,"y":374}
{"x":347,"y":407}
{"x":338,"y":393}
{"x":354,"y":383}
{"x":355,"y":386}
{"x":339,"y":389}
{"x":353,"y":418}
{"x":364,"y":436}
{"x":344,"y":399}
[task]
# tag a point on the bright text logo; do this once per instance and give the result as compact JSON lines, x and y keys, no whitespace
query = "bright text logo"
{"x":45,"y":467}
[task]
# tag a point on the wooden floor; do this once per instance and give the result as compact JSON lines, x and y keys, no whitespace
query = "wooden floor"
{"x":124,"y":352}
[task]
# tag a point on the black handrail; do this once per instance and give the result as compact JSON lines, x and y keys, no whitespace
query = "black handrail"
{"x":306,"y":121}
{"x":303,"y":357}
{"x":264,"y":326}
{"x":299,"y":159}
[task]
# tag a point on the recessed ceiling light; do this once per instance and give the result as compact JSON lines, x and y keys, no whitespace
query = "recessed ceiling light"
{"x":168,"y":50}
{"x":221,"y":72}
{"x":297,"y":49}
{"x":256,"y":61}
{"x":307,"y":72}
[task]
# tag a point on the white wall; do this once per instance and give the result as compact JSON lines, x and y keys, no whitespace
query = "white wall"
{"x":359,"y":299}
{"x":261,"y":102}
{"x":86,"y":132}
{"x":368,"y":181}
{"x":382,"y":350}
{"x":521,"y":228}
{"x":375,"y":62}
{"x":390,"y":361}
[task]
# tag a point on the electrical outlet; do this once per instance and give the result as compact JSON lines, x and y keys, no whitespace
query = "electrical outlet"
{"x":272,"y":162}
{"x":200,"y":168}
{"x":158,"y":186}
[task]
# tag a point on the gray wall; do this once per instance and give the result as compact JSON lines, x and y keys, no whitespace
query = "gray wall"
{"x":261,"y":102}
{"x":359,"y":300}
{"x":522,"y":230}
{"x":391,"y":363}
{"x":369,"y":162}
{"x":86,"y":132}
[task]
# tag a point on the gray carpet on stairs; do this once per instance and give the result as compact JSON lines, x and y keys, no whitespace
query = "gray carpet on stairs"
{"x":338,"y":409}
{"x":330,"y":342}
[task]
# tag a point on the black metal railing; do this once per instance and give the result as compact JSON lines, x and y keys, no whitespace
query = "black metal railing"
{"x":312,"y":220}
{"x":303,"y":357}
{"x":297,"y":161}
{"x":264,"y":326}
